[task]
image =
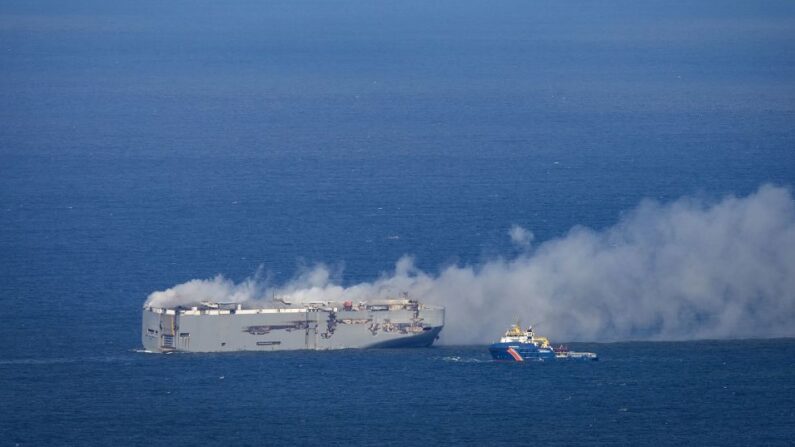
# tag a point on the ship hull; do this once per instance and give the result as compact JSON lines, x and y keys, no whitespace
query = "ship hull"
{"x":520,"y":352}
{"x":176,"y":330}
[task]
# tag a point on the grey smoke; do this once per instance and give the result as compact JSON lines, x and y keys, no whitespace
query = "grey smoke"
{"x":682,"y":270}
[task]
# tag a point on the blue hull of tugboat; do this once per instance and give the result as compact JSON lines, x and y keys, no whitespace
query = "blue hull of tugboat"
{"x":520,"y":352}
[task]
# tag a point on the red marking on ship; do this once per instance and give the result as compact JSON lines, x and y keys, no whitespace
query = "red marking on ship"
{"x":515,"y":355}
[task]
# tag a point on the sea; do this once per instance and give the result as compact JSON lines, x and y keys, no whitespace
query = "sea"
{"x":147,"y":143}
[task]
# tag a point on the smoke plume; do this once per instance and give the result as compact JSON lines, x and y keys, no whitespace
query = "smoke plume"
{"x":683,"y":270}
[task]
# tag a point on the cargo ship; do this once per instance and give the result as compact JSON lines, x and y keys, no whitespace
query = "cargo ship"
{"x":320,"y":325}
{"x":525,"y":346}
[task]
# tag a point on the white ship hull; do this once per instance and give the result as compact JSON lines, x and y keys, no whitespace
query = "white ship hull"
{"x":214,"y":328}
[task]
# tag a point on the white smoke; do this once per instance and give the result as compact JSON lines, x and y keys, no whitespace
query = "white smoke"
{"x":217,"y":289}
{"x":683,"y":270}
{"x":521,"y":237}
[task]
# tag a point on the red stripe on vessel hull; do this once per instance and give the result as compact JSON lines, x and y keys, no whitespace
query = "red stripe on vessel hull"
{"x":515,"y":355}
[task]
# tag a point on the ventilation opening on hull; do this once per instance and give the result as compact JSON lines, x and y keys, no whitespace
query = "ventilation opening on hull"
{"x":268,"y":343}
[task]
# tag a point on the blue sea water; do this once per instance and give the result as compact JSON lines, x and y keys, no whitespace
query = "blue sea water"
{"x":691,"y":393}
{"x":143,"y":144}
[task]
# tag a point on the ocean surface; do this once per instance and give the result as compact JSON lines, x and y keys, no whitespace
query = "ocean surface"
{"x":147,"y":143}
{"x":689,"y":393}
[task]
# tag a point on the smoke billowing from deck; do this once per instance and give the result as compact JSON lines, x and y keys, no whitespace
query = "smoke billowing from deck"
{"x":682,"y":270}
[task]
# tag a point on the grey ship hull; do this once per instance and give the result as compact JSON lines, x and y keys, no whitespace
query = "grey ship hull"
{"x":265,"y":329}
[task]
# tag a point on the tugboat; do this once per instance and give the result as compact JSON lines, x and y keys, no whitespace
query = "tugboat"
{"x":519,"y":346}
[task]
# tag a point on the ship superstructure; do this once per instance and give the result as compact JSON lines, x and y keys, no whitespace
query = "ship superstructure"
{"x":320,"y":325}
